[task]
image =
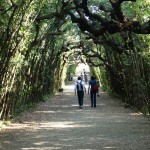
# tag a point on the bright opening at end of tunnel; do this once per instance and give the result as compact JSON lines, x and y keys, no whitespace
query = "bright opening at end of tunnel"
{"x":81,"y":68}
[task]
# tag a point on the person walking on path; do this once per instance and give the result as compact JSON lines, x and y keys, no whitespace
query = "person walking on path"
{"x":79,"y":90}
{"x":85,"y":77}
{"x":81,"y":76}
{"x":93,"y":89}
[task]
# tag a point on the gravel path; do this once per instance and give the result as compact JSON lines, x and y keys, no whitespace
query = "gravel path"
{"x":59,"y":124}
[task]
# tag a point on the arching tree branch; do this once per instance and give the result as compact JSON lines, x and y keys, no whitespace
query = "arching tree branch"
{"x":97,"y":24}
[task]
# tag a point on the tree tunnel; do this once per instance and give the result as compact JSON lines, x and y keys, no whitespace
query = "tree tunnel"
{"x":41,"y":43}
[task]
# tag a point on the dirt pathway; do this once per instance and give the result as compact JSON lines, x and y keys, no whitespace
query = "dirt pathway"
{"x":59,"y":124}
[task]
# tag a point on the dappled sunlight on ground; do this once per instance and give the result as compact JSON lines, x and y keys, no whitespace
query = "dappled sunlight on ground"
{"x":110,"y":147}
{"x":69,"y":88}
{"x":136,"y":114}
{"x":59,"y":124}
{"x":63,"y":125}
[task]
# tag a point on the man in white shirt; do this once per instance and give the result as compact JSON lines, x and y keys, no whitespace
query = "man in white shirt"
{"x":79,"y":90}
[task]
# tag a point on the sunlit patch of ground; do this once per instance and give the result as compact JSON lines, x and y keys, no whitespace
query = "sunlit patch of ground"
{"x":59,"y":124}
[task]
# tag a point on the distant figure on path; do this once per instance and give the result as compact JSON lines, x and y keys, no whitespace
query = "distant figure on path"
{"x":85,"y":77}
{"x":93,"y":89}
{"x":71,"y":77}
{"x":79,"y":90}
{"x":81,"y":76}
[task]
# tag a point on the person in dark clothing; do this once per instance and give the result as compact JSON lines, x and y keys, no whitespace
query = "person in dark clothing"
{"x":92,"y":91}
{"x":79,"y":90}
{"x":85,"y":77}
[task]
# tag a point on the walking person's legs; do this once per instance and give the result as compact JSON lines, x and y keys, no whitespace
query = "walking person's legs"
{"x":82,"y":96}
{"x":91,"y":96}
{"x":94,"y":98}
{"x":80,"y":99}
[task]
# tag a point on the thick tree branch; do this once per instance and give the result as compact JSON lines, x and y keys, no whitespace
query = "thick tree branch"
{"x":98,"y":25}
{"x":116,"y":4}
{"x":35,"y":42}
{"x":50,"y":16}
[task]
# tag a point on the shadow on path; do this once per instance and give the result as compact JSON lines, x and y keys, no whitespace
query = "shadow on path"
{"x":59,"y":124}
